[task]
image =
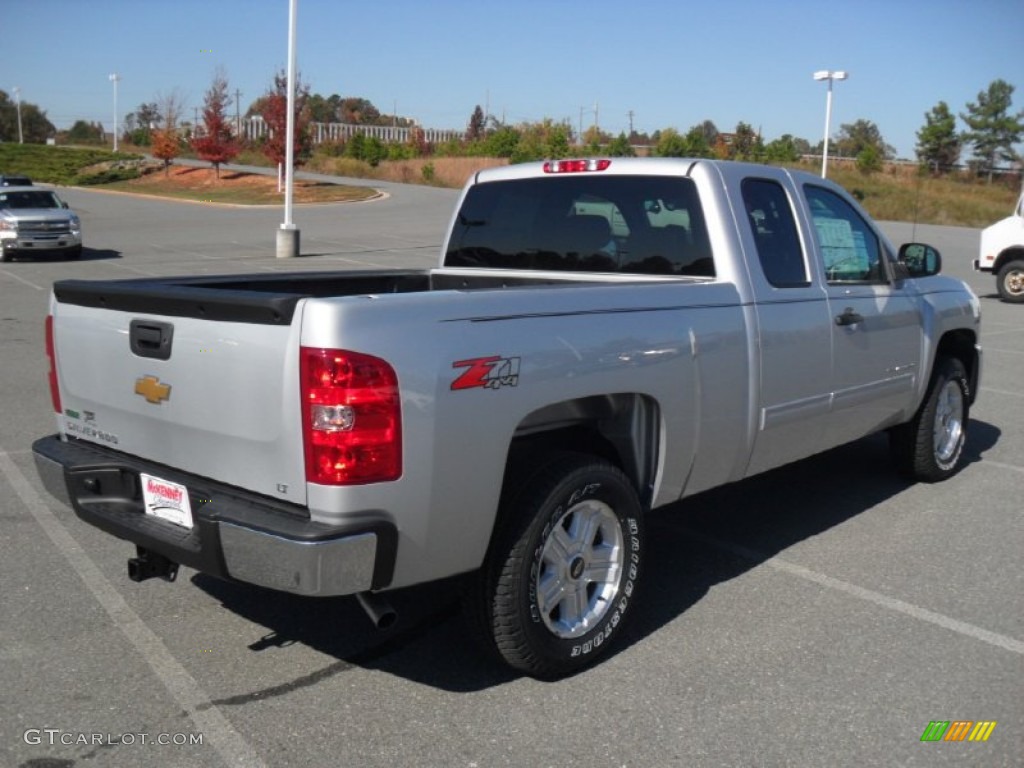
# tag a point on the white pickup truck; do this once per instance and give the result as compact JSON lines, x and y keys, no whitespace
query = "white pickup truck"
{"x":602,"y":337}
{"x":1002,"y":254}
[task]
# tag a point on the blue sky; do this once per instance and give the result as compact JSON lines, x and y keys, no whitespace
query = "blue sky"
{"x":673,"y":64}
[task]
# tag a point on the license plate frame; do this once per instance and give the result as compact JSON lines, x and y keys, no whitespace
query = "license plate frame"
{"x":166,"y":500}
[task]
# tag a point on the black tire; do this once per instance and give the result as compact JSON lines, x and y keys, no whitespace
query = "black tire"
{"x":562,"y":572}
{"x":929,"y":447}
{"x":1010,"y":281}
{"x":75,"y":253}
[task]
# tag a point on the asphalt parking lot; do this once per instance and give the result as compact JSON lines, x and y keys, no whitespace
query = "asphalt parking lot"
{"x":818,"y":615}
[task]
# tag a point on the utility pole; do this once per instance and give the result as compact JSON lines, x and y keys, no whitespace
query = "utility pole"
{"x":630,"y":115}
{"x":238,"y":119}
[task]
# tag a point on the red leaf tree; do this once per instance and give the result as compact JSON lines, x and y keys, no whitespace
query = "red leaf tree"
{"x":274,"y":109}
{"x":217,"y":144}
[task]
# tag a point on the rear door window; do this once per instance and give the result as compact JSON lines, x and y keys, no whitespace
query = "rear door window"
{"x":771,"y":221}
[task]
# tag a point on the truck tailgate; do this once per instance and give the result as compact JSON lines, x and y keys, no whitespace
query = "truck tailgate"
{"x":213,"y":397}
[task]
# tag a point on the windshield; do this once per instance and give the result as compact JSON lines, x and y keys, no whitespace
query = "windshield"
{"x":29,"y":199}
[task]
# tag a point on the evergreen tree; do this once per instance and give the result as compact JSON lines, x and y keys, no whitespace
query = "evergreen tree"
{"x":992,"y":129}
{"x":477,"y":121}
{"x":938,"y":144}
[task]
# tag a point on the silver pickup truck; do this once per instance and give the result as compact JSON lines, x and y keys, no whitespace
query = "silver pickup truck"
{"x":602,"y":337}
{"x":36,"y":221}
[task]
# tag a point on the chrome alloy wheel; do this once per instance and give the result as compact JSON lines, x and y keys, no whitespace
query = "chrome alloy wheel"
{"x":1014,"y":282}
{"x":949,"y":425}
{"x":580,"y":568}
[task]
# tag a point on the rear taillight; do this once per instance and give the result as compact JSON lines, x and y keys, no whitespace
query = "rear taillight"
{"x":52,"y":375}
{"x":351,"y":417}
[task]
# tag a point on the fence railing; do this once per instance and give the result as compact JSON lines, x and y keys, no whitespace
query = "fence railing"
{"x":256,"y":128}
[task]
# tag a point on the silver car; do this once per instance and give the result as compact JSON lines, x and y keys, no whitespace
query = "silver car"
{"x":35,"y":220}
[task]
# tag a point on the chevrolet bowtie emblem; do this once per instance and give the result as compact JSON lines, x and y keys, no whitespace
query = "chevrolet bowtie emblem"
{"x":151,"y":389}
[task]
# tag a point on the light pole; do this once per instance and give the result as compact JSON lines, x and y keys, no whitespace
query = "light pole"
{"x":288,"y":234}
{"x":114,"y":78}
{"x":17,"y":103}
{"x":826,"y":74}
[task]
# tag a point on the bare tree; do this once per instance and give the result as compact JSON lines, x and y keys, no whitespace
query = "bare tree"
{"x":171,"y":106}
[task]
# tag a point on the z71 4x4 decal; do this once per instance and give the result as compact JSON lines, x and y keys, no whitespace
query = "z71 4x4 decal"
{"x":487,"y":372}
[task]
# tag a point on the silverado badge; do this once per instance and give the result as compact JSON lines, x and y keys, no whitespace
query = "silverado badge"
{"x":151,"y":389}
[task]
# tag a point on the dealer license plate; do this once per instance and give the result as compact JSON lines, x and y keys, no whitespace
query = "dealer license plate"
{"x":166,"y":500}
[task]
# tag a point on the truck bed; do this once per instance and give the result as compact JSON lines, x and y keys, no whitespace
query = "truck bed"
{"x":271,"y":299}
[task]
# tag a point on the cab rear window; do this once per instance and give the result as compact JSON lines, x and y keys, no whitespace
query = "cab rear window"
{"x":584,"y":223}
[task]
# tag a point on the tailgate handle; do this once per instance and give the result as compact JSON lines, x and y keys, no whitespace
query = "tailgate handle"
{"x":151,"y":338}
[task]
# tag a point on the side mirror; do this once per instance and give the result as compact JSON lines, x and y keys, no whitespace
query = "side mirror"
{"x":920,"y":260}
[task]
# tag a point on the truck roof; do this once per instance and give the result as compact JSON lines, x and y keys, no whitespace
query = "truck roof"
{"x":668,"y":166}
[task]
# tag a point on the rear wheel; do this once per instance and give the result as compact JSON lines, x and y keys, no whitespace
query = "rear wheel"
{"x":1010,"y":281}
{"x":930,"y":445}
{"x":561,"y":574}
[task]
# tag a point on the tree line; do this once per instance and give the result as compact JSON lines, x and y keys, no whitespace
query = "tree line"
{"x":992,"y":131}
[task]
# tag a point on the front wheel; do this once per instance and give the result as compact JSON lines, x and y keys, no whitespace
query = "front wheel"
{"x":930,"y":445}
{"x":561,"y":576}
{"x":1010,"y":281}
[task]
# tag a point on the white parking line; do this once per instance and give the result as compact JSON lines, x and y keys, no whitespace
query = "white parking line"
{"x":908,"y":609}
{"x":136,"y":270}
{"x":233,"y":749}
{"x":21,"y":279}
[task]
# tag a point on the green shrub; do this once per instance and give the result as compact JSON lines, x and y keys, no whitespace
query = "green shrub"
{"x":106,"y":176}
{"x":54,"y":165}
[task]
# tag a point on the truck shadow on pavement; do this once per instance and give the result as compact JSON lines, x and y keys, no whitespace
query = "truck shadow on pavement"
{"x":88,"y":254}
{"x":96,"y":254}
{"x":693,"y":545}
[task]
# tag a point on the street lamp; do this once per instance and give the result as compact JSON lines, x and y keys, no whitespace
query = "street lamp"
{"x":288,"y":234}
{"x":825,"y":74}
{"x":17,"y":102}
{"x":114,"y":78}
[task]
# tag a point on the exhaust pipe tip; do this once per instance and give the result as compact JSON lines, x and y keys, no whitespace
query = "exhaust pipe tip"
{"x":378,"y":609}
